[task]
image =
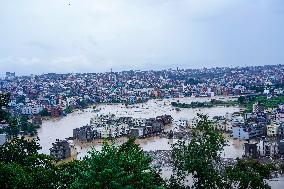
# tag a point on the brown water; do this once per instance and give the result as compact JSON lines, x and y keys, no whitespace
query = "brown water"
{"x":62,"y":128}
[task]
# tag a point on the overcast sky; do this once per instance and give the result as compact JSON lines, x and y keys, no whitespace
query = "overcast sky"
{"x":40,"y":36}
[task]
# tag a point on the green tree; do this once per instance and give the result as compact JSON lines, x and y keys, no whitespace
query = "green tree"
{"x":44,"y":112}
{"x":27,"y":127}
{"x":241,"y":99}
{"x":4,"y":99}
{"x":200,"y":159}
{"x":250,"y":174}
{"x":125,"y":166}
{"x":21,"y":166}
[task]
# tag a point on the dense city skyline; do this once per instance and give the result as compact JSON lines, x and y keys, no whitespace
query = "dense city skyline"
{"x":70,"y":36}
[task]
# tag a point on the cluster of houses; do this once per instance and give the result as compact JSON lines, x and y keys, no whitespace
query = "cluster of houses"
{"x":54,"y":93}
{"x":110,"y":126}
{"x":222,"y":123}
{"x":259,"y":123}
{"x":264,"y":148}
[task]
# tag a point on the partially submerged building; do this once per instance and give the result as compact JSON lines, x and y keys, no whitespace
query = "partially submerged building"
{"x":61,"y":149}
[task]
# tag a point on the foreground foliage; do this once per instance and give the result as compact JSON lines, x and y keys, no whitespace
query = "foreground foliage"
{"x":125,"y":166}
{"x":200,"y":161}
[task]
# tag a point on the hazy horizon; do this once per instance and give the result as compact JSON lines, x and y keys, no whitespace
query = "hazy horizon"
{"x":64,"y":36}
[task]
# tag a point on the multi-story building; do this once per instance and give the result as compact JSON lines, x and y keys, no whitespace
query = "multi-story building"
{"x":281,"y":131}
{"x":257,"y":107}
{"x":280,"y":115}
{"x":61,"y":149}
{"x":181,"y":123}
{"x":31,"y":109}
{"x":272,"y":129}
{"x":266,"y":148}
{"x":247,"y":131}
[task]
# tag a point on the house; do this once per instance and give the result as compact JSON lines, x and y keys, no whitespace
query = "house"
{"x":272,"y":129}
{"x":223,"y":124}
{"x":85,"y":133}
{"x":281,"y":131}
{"x":56,"y":111}
{"x":266,"y":148}
{"x":193,"y":123}
{"x":36,"y":120}
{"x":251,"y":150}
{"x":181,"y":123}
{"x":237,"y":120}
{"x":3,"y":124}
{"x":281,"y":147}
{"x":247,"y":131}
{"x":280,"y":115}
{"x":166,"y":119}
{"x":136,"y":132}
{"x":257,"y":107}
{"x":60,"y":149}
{"x":3,"y":139}
{"x":31,"y":109}
{"x":263,"y":148}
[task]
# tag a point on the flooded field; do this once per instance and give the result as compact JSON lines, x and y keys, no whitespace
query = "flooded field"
{"x":62,"y":128}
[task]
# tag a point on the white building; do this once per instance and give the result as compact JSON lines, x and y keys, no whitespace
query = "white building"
{"x":266,"y":148}
{"x":280,"y":116}
{"x":193,"y":123}
{"x":224,"y":125}
{"x":3,"y":139}
{"x":139,"y":122}
{"x":182,"y":123}
{"x":237,"y":120}
{"x":272,"y":129}
{"x":262,"y":147}
{"x":31,"y":110}
{"x":3,"y":124}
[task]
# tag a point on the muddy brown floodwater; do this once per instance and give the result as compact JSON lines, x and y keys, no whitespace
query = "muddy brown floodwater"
{"x":62,"y":128}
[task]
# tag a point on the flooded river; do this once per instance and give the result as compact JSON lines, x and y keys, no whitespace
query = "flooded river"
{"x":62,"y":128}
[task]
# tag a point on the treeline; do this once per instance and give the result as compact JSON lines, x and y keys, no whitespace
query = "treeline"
{"x":209,"y":104}
{"x":272,"y":102}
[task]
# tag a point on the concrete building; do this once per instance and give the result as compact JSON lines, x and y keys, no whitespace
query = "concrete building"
{"x":60,"y":149}
{"x":222,"y":124}
{"x":247,"y":131}
{"x":280,"y":115}
{"x":31,"y":109}
{"x":272,"y":129}
{"x":281,"y":131}
{"x":3,"y":139}
{"x":266,"y":148}
{"x":251,"y":150}
{"x":181,"y":123}
{"x":257,"y":107}
{"x":281,"y":147}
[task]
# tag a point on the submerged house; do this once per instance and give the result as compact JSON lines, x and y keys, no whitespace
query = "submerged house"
{"x":61,"y":149}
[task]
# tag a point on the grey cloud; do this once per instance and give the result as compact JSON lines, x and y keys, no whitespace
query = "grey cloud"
{"x":94,"y":35}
